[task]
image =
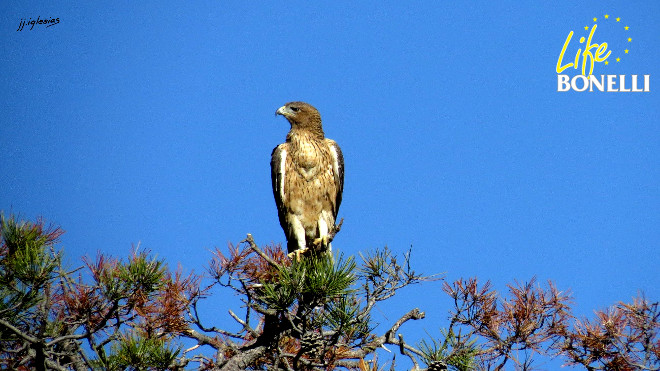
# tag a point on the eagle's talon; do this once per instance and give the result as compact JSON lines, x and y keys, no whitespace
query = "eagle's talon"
{"x":297,"y":253}
{"x":322,"y":242}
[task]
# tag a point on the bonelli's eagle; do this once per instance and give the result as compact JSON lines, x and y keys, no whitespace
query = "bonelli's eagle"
{"x":307,"y":172}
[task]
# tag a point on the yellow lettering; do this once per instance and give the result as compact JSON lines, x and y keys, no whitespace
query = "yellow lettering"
{"x":601,"y":49}
{"x":561,"y":55}
{"x":587,"y":53}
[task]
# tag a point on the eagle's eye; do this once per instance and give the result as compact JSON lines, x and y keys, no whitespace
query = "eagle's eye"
{"x":295,"y":109}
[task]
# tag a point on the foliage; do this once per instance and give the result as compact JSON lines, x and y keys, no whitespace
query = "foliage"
{"x":138,"y":352}
{"x":454,"y":352}
{"x":624,"y":337}
{"x":312,"y":313}
{"x":46,"y":314}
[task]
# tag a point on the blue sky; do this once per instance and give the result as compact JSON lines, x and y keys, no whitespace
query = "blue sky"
{"x":153,"y":122}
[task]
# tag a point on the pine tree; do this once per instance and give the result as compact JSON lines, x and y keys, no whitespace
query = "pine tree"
{"x":312,"y":313}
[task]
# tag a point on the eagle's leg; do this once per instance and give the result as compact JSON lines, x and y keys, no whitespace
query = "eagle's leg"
{"x":299,"y":235}
{"x":323,"y":241}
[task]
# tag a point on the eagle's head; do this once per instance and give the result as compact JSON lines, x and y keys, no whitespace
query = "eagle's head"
{"x":301,"y":116}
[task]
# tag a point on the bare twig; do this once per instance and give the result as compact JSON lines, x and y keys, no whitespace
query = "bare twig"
{"x":256,"y":249}
{"x":246,"y":327}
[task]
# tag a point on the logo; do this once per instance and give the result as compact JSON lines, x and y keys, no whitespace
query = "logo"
{"x":592,"y":52}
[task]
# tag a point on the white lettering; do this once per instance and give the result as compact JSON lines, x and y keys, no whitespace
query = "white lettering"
{"x":614,"y":83}
{"x":562,"y":83}
{"x":585,"y":83}
{"x":634,"y":84}
{"x":611,"y":83}
{"x":600,"y":85}
{"x":622,"y":79}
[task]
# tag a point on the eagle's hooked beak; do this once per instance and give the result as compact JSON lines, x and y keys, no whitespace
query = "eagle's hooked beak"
{"x":282,"y":111}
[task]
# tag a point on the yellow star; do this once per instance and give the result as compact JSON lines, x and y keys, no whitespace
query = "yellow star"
{"x":618,"y":19}
{"x":629,"y":39}
{"x":618,"y":59}
{"x":607,"y":16}
{"x":626,"y":51}
{"x":595,"y":19}
{"x":586,"y":27}
{"x":626,"y":28}
{"x":607,"y":62}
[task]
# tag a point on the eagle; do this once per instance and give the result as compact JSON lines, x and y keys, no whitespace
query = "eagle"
{"x":307,"y":174}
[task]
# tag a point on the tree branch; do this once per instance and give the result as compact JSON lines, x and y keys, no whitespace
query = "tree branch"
{"x":246,"y":327}
{"x":18,"y":332}
{"x":256,"y":249}
{"x":390,"y":338}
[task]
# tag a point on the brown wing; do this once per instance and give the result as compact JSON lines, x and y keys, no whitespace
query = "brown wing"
{"x":277,"y":176}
